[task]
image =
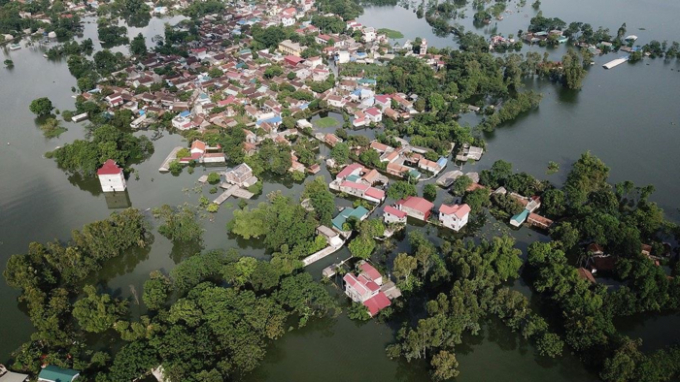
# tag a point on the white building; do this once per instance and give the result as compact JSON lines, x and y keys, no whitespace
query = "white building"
{"x":343,"y":57}
{"x":393,"y":215}
{"x":454,"y":217}
{"x":111,"y":177}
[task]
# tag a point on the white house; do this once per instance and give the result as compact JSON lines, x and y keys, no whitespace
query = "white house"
{"x":343,"y":57}
{"x":332,"y":237}
{"x":393,"y":215}
{"x":374,"y":115}
{"x":111,"y":177}
{"x":368,"y":34}
{"x":454,"y":217}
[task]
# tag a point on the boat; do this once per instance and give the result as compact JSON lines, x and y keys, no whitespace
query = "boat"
{"x":631,"y":38}
{"x":14,"y":47}
{"x":615,"y":63}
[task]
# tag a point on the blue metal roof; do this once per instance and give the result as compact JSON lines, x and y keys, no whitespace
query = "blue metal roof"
{"x":521,"y":217}
{"x":185,"y":113}
{"x":276,"y":119}
{"x":442,"y":162}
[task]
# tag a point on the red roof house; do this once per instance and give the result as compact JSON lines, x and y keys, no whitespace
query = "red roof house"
{"x":416,"y":207}
{"x":110,"y":168}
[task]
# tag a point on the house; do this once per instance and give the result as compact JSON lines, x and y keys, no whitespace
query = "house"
{"x":198,"y":147}
{"x":454,"y":217}
{"x":322,"y":39}
{"x":214,"y":158}
{"x":368,"y":34}
{"x":111,"y":177}
{"x":288,"y":17}
{"x":314,"y":61}
{"x":365,"y":289}
{"x":289,"y":47}
{"x":293,"y":60}
{"x":52,"y":373}
{"x":362,"y":190}
{"x":393,"y":215}
{"x":595,"y":249}
{"x":354,"y":189}
{"x":332,"y":237}
{"x":389,"y":157}
{"x":383,"y":101}
{"x":342,"y":57}
{"x":359,"y":119}
{"x":241,"y":175}
{"x":586,"y":275}
{"x":374,"y":115}
{"x":381,"y":148}
{"x":374,"y":195}
{"x":415,"y":207}
{"x":331,"y":140}
{"x":396,"y":169}
{"x":336,"y":101}
{"x":539,"y":221}
{"x":519,"y":219}
{"x":9,"y":376}
{"x":391,"y":114}
{"x":429,"y":165}
{"x":601,"y":263}
{"x":360,"y":213}
{"x":352,"y":169}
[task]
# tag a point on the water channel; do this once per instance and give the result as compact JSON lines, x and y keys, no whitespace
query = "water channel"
{"x":627,"y":116}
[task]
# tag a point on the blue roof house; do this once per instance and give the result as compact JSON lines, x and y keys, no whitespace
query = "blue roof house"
{"x":53,"y":373}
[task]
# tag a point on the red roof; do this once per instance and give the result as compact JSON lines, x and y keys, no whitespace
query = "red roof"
{"x":294,"y":59}
{"x":375,"y":193}
{"x":460,"y":210}
{"x":372,"y":286}
{"x":382,"y":98}
{"x":355,"y":283}
{"x":347,"y":171}
{"x":377,"y":303}
{"x":393,"y":211}
{"x":373,"y":111}
{"x":109,"y":168}
{"x":417,"y":203}
{"x":200,"y":145}
{"x":370,"y":271}
{"x":357,"y":186}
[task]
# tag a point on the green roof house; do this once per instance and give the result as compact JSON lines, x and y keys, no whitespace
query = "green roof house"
{"x":360,"y":213}
{"x":52,"y":373}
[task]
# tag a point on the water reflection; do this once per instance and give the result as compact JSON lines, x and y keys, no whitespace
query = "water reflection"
{"x":117,"y":200}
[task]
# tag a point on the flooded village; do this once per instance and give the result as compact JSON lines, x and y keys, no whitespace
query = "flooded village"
{"x":299,"y":116}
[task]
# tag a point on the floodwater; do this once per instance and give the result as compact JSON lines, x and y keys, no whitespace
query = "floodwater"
{"x":627,"y":116}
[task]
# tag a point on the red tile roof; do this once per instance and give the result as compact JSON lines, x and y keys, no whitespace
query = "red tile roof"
{"x":375,"y":193}
{"x":347,"y":171}
{"x":417,"y":203}
{"x":393,"y":211}
{"x":109,"y":168}
{"x":200,"y":145}
{"x":357,"y":186}
{"x":460,"y":210}
{"x":355,"y":283}
{"x":377,"y":303}
{"x":370,"y":271}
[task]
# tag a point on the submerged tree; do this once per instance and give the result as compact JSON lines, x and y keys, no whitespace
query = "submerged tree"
{"x":41,"y":106}
{"x":179,"y":224}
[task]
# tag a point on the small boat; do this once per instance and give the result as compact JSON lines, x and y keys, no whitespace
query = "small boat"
{"x":14,"y":47}
{"x":631,"y":38}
